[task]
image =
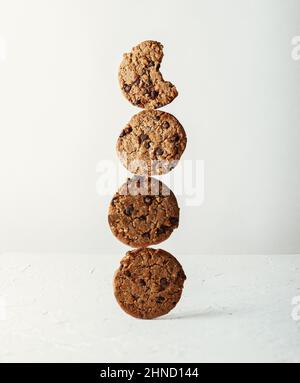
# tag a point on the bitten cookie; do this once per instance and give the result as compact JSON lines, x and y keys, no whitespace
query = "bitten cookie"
{"x":151,"y":143}
{"x":148,"y":283}
{"x":140,"y":79}
{"x":143,"y":212}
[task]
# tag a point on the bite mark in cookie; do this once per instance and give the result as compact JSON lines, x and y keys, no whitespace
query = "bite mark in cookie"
{"x":141,"y":80}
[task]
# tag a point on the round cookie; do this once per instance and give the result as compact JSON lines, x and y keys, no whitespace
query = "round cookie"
{"x":151,"y":143}
{"x":140,"y":79}
{"x":148,"y":283}
{"x":143,"y":212}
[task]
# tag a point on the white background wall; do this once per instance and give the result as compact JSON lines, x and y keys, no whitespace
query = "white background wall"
{"x":61,"y":112}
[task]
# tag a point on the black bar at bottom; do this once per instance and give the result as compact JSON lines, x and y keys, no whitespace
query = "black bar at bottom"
{"x":134,"y":372}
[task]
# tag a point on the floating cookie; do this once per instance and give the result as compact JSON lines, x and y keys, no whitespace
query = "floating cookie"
{"x":148,"y":283}
{"x":140,"y":79}
{"x":151,"y":143}
{"x":143,"y":212}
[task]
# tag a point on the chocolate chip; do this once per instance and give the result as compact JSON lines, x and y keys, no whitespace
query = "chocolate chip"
{"x":143,"y":137}
{"x":137,"y":81}
{"x":175,"y":138}
{"x":148,"y":200}
{"x":147,"y":145}
{"x":163,"y":283}
{"x":142,"y":218}
{"x":159,"y":151}
{"x":127,"y":273}
{"x":146,"y":235}
{"x":180,"y":274}
{"x":160,"y":299}
{"x":142,"y":282}
{"x":161,"y":230}
{"x":153,"y":94}
{"x":150,"y":64}
{"x":157,"y":66}
{"x":129,"y":210}
{"x":165,"y":125}
{"x":125,"y":131}
{"x":138,"y":183}
{"x":127,"y":88}
{"x":149,"y":82}
{"x":174,"y":220}
{"x":113,"y":201}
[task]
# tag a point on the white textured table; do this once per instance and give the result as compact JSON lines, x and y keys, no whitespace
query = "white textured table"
{"x":234,"y":308}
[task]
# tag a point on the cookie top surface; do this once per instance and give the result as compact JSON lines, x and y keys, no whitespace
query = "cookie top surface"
{"x":143,"y":212}
{"x":140,"y":78}
{"x":151,"y":143}
{"x":148,"y":283}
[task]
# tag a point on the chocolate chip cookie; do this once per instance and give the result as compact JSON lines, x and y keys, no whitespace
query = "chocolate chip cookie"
{"x":148,"y":283}
{"x":143,"y":212}
{"x":140,"y":79}
{"x":151,"y":143}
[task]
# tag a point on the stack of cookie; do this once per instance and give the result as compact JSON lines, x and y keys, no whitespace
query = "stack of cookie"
{"x":144,"y":211}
